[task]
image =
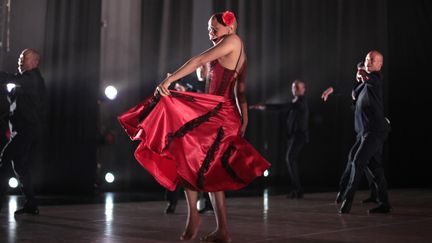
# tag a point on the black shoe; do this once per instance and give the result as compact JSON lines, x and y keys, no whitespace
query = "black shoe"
{"x":170,"y":209}
{"x":338,"y":198}
{"x":382,"y":208}
{"x":370,"y":200}
{"x":346,"y":207}
{"x":206,"y":208}
{"x":27,"y":210}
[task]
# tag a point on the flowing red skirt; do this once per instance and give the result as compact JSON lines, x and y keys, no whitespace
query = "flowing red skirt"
{"x":193,"y":137}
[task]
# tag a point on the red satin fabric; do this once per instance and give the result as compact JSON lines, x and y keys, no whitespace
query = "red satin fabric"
{"x":194,"y":137}
{"x":221,"y":80}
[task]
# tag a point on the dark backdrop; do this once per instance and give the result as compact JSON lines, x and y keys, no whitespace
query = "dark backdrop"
{"x":71,"y":70}
{"x":410,"y":35}
{"x":317,"y":41}
{"x":320,"y":42}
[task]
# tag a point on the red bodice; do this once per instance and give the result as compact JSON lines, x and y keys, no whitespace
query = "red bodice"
{"x":221,"y":80}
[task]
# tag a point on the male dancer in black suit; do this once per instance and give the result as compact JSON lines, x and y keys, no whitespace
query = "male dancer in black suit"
{"x":297,"y":132}
{"x":26,"y":112}
{"x":373,"y":198}
{"x":372,"y":128}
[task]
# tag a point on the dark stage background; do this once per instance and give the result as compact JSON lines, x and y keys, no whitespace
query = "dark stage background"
{"x":132,"y":44}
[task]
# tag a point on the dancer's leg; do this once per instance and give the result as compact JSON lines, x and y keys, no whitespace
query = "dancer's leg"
{"x":221,"y":233}
{"x":193,"y":219}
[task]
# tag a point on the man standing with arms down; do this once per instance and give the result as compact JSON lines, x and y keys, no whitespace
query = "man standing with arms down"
{"x":26,"y":111}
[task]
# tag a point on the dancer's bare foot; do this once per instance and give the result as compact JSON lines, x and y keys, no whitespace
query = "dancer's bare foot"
{"x":217,"y":236}
{"x":191,"y":229}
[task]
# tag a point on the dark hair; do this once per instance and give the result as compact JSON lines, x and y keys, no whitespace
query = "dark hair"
{"x":218,"y":17}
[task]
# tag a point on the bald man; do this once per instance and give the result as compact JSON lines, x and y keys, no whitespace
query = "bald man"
{"x":372,"y":129}
{"x":297,"y":132}
{"x":373,"y":198}
{"x":26,"y":111}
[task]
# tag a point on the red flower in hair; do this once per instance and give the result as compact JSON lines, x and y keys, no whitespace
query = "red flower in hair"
{"x":228,"y":18}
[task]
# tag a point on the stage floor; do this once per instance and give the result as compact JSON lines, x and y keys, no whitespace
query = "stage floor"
{"x":267,"y":218}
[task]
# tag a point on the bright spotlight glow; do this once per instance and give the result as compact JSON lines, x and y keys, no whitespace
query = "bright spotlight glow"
{"x":111,"y":92}
{"x":266,"y":173}
{"x":13,"y":183}
{"x":10,"y":87}
{"x":109,"y":177}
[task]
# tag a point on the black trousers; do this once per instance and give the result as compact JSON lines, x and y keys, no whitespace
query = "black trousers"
{"x":347,"y":173}
{"x":173,"y":196}
{"x":20,"y":153}
{"x":294,"y":147}
{"x":367,"y":155}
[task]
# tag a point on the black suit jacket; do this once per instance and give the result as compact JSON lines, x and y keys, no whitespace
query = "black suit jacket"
{"x":297,"y":117}
{"x":29,"y":97}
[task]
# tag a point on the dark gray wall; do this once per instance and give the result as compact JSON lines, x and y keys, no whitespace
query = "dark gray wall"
{"x":27,"y":30}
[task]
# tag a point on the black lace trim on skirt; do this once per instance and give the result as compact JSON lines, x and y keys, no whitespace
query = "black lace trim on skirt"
{"x":189,"y":126}
{"x":149,"y":107}
{"x":209,"y":158}
{"x":226,"y":155}
{"x":182,"y":96}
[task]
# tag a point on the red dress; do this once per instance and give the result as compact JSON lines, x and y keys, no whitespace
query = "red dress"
{"x":193,"y":137}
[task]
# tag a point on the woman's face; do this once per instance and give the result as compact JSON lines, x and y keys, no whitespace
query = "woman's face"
{"x":217,"y":30}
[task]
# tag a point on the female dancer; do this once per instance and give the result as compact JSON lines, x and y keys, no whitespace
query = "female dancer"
{"x":197,"y":139}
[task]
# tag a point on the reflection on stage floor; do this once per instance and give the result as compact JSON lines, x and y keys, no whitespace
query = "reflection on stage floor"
{"x":258,"y":218}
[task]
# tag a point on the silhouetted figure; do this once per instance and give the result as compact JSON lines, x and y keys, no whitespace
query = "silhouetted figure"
{"x":26,"y":112}
{"x":297,"y":121}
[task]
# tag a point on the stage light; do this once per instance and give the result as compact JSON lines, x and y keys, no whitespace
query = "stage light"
{"x":10,"y":87}
{"x":266,"y":173}
{"x":13,"y":183}
{"x":109,"y":177}
{"x":111,"y":92}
